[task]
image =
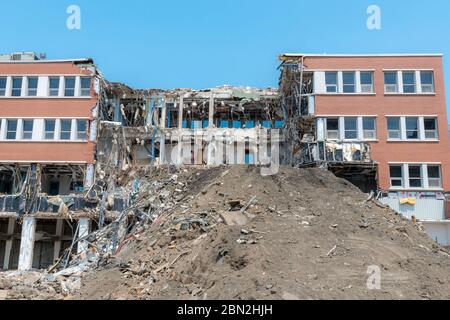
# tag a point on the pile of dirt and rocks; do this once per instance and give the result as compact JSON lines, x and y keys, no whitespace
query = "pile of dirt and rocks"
{"x":232,"y":233}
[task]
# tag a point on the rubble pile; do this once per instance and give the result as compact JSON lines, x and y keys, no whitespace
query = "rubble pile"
{"x":231,"y":233}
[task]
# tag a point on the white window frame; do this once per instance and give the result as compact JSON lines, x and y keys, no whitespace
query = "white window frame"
{"x":74,"y":86}
{"x":430,"y":86}
{"x":335,"y":133}
{"x":61,"y":131}
{"x":46,"y":132}
{"x":54,"y":90}
{"x":399,"y":129}
{"x":336,"y":85}
{"x":8,"y":131}
{"x":394,"y":88}
{"x":27,"y":132}
{"x":3,"y":90}
{"x":401,"y":179}
{"x":353,"y":85}
{"x":81,"y":135}
{"x":352,"y":130}
{"x":367,"y":88}
{"x":85,"y":92}
{"x":421,"y":178}
{"x":434,"y":180}
{"x":418,"y":128}
{"x":16,"y":88}
{"x":435,"y":131}
{"x":373,"y":131}
{"x":409,"y":85}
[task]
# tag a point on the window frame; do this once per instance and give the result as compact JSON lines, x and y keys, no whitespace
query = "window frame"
{"x":409,"y":85}
{"x":83,"y":133}
{"x":337,"y":131}
{"x":352,"y":130}
{"x":3,"y":90}
{"x":432,"y":85}
{"x":386,"y":85}
{"x":347,"y":85}
{"x":70,"y":89}
{"x":53,"y":90}
{"x":65,"y":132}
{"x":334,"y":85}
{"x":399,"y":130}
{"x":365,"y":85}
{"x":435,"y":131}
{"x":46,"y":132}
{"x":8,"y":131}
{"x":373,"y":131}
{"x":410,"y":178}
{"x":417,"y":130}
{"x":401,"y":178}
{"x":16,"y":89}
{"x":85,"y":92}
{"x":438,"y":179}
{"x":27,"y":131}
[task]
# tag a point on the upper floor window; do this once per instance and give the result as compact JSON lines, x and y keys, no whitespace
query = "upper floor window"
{"x":394,"y":131}
{"x":32,"y":86}
{"x":81,"y":129}
{"x":54,"y":86}
{"x":390,"y":82}
{"x":430,"y":125}
{"x":332,"y":128}
{"x":427,"y":81}
{"x":27,"y":131}
{"x":16,"y":87}
{"x":415,"y":176}
{"x":85,"y":87}
{"x":349,"y":82}
{"x":49,"y":130}
{"x":66,"y":128}
{"x":351,"y":128}
{"x":2,"y":86}
{"x":69,"y":86}
{"x":412,"y":128}
{"x":367,"y":82}
{"x":331,"y":82}
{"x":409,"y":82}
{"x":11,"y":129}
{"x":369,"y":128}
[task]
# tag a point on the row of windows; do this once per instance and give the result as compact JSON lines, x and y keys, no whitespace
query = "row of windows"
{"x":399,"y":128}
{"x":391,"y":80}
{"x":28,"y":86}
{"x":415,"y":176}
{"x":48,"y":129}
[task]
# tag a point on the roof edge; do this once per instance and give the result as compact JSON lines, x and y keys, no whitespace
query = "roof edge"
{"x":82,"y":60}
{"x":298,"y":55}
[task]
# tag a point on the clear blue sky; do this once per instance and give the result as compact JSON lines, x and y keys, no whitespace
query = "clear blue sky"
{"x":206,"y":43}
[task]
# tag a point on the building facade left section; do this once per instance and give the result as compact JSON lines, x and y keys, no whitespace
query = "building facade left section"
{"x":48,"y":135}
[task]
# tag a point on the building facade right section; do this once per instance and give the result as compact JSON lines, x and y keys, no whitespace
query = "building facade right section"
{"x":378,"y":120}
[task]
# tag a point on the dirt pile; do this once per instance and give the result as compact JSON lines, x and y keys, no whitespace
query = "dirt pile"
{"x":299,"y":234}
{"x":230,"y":233}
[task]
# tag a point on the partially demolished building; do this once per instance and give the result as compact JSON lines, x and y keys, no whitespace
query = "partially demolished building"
{"x":69,"y":138}
{"x":379,"y":121}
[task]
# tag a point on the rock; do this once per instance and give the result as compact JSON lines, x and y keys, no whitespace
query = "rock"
{"x":233,"y":218}
{"x":289,"y":296}
{"x":3,"y":294}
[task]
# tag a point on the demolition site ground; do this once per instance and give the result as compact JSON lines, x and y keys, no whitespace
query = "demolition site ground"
{"x":230,"y":233}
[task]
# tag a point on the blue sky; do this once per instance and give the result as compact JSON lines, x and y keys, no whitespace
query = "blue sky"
{"x":206,"y":43}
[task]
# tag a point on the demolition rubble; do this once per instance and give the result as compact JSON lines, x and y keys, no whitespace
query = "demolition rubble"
{"x":230,"y":233}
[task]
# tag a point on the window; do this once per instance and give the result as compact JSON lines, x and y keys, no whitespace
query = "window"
{"x":11,"y":129}
{"x":427,"y":81}
{"x":333,"y":129}
{"x":396,"y":172}
{"x":66,"y":128}
{"x":351,"y":128}
{"x":349,"y":82}
{"x":16,"y":87}
{"x":430,"y":125}
{"x":412,"y":128}
{"x":27,"y":129}
{"x":81,"y":129}
{"x":331,"y":82}
{"x":69,"y":86}
{"x":54,"y":86}
{"x":85,"y":87}
{"x":390,"y":82}
{"x":367,"y":82}
{"x":409,"y":82}
{"x":415,"y":176}
{"x":434,"y":176}
{"x":394,"y":128}
{"x":369,"y":128}
{"x":2,"y":86}
{"x":32,"y":86}
{"x":49,"y":130}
